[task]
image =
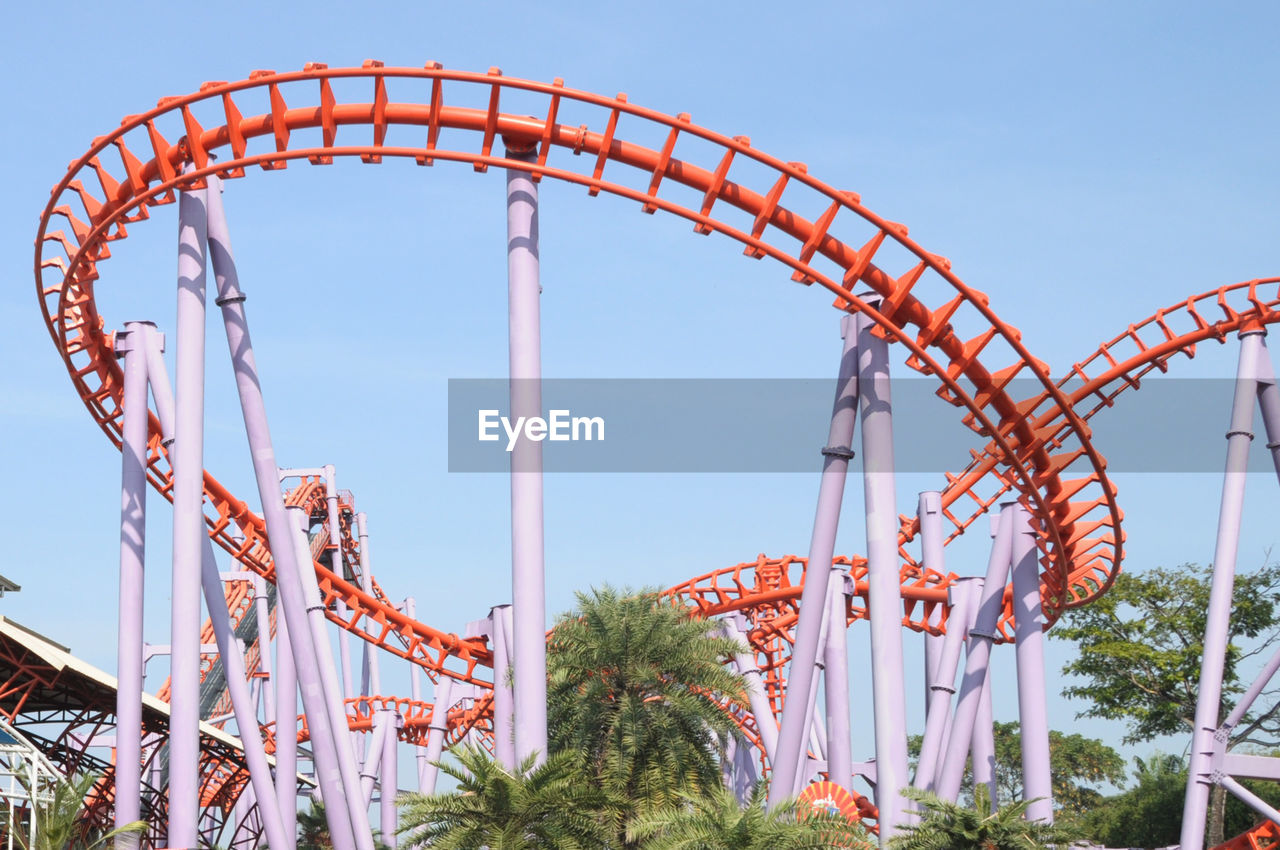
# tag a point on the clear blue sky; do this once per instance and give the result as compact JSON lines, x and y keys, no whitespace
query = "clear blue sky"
{"x":1083,"y":163}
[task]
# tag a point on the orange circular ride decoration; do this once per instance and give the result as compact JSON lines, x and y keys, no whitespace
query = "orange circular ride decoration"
{"x":828,"y":798}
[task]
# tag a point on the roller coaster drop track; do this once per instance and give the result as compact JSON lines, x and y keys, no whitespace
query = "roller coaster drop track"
{"x":948,"y":328}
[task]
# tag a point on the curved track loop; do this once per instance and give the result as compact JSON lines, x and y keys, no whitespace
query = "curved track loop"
{"x":842,"y":246}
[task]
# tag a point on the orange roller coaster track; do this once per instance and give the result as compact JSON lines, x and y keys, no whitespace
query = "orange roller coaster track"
{"x":105,"y":191}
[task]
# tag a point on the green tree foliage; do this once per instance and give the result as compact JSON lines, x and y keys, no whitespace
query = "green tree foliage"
{"x":716,"y":821}
{"x":1149,"y":814}
{"x":951,"y":826}
{"x":59,"y":817}
{"x":313,"y":829}
{"x":533,"y":808}
{"x":1140,"y":650}
{"x":1077,"y":764}
{"x":1141,"y":642}
{"x":636,"y":690}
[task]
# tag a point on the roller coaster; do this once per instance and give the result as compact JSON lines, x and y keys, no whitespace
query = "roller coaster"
{"x":302,"y":562}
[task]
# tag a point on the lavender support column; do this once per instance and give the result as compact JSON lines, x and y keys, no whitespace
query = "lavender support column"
{"x":286,"y":711}
{"x":811,"y":704}
{"x":280,"y":535}
{"x":503,"y":738}
{"x":131,"y":345}
{"x":348,"y":771}
{"x":884,"y":590}
{"x":528,"y":592}
{"x":1033,"y":713}
{"x":836,"y":674}
{"x":932,"y":557}
{"x":263,"y":608}
{"x":439,"y":728}
{"x":415,"y":684}
{"x":387,"y":812}
{"x":1217,"y":622}
{"x":187,"y":459}
{"x":215,"y":599}
{"x":745,"y":663}
{"x":796,"y":713}
{"x":335,"y":544}
{"x":942,"y":686}
{"x":246,"y":716}
{"x":982,"y":747}
{"x":369,"y":679}
{"x":369,"y":770}
{"x":977,"y":658}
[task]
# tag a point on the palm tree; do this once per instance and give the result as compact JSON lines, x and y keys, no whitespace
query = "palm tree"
{"x":59,"y":818}
{"x":313,"y":829}
{"x":950,"y":826}
{"x":716,"y":821}
{"x":637,"y":687}
{"x":533,"y":808}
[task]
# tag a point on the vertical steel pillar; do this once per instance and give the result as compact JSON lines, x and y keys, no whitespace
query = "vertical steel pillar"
{"x":415,"y":684}
{"x":796,"y":713}
{"x":263,"y":608}
{"x":749,"y":669}
{"x":836,"y":680}
{"x":131,"y":345}
{"x":503,"y":740}
{"x":280,"y":535}
{"x":1217,"y":622}
{"x":369,"y":770}
{"x":335,"y":543}
{"x":187,"y":458}
{"x":286,"y":713}
{"x":884,"y":591}
{"x":982,"y":749}
{"x":369,"y":680}
{"x":215,"y":599}
{"x":811,"y":705}
{"x":942,"y":686}
{"x":246,"y":716}
{"x":977,"y":657}
{"x":528,"y":592}
{"x":387,"y":812}
{"x":348,"y":772}
{"x":439,"y":728}
{"x":1033,"y":713}
{"x":932,"y":556}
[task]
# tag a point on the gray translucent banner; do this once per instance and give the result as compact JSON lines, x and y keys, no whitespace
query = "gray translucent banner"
{"x":780,"y":425}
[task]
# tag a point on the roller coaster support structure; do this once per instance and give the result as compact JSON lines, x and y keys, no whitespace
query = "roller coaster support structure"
{"x":835,"y":664}
{"x":288,"y":582}
{"x":187,"y":454}
{"x":797,"y":713}
{"x":1211,"y":763}
{"x":977,"y":660}
{"x":1033,"y":712}
{"x":884,"y":593}
{"x":528,"y":592}
{"x":131,"y":347}
{"x":215,"y":599}
{"x":348,"y":770}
